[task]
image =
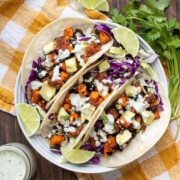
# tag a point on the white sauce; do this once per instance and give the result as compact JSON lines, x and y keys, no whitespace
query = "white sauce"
{"x":55,"y":74}
{"x":35,"y":85}
{"x":62,"y":55}
{"x":47,"y":62}
{"x":42,"y":74}
{"x":78,"y":101}
{"x":70,"y":129}
{"x":103,"y":90}
{"x":12,"y":166}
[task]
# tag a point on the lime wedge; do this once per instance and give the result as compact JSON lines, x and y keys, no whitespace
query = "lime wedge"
{"x":29,"y":117}
{"x":104,"y":6}
{"x":77,"y":156}
{"x":128,"y":39}
{"x":100,"y":5}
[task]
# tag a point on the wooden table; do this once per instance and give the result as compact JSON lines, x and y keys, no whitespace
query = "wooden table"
{"x":11,"y":132}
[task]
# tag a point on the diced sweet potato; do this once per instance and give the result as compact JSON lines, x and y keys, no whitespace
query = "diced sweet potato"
{"x":35,"y":96}
{"x":64,"y":75}
{"x":57,"y":139}
{"x":104,"y":37}
{"x":82,"y":90}
{"x":69,"y":32}
{"x":112,"y":141}
{"x":94,"y":96}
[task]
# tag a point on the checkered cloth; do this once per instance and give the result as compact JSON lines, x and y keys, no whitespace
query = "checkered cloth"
{"x":19,"y":22}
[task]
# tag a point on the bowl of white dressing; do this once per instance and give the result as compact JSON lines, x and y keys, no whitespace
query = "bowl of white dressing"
{"x":17,"y":162}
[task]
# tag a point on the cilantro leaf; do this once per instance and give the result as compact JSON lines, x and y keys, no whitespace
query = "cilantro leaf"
{"x":159,"y":4}
{"x":175,"y":42}
{"x":153,"y":35}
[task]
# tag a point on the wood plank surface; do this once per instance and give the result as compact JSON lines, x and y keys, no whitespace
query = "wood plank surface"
{"x":11,"y":132}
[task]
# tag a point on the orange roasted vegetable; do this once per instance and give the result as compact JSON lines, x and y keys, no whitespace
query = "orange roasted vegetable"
{"x":107,"y":149}
{"x":116,"y":127}
{"x":94,"y":96}
{"x":57,"y":139}
{"x":100,"y":100}
{"x":156,"y":115}
{"x":69,"y":32}
{"x":67,"y":100}
{"x":77,"y":132}
{"x":106,"y":96}
{"x":122,"y":122}
{"x":82,"y":90}
{"x":113,"y":112}
{"x":67,"y":107}
{"x":64,"y":75}
{"x":70,"y":47}
{"x":63,"y":67}
{"x":35,"y":96}
{"x":112,"y":141}
{"x":124,"y":100}
{"x":104,"y":38}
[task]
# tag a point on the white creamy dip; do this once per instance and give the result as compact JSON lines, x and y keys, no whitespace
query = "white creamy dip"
{"x":12,"y":165}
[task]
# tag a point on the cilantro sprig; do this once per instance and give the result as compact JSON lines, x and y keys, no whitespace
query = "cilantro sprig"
{"x":149,"y":21}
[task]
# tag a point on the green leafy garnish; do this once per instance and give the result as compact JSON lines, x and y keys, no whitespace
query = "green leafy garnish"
{"x":149,"y":21}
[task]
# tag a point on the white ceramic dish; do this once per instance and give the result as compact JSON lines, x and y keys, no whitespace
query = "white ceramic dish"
{"x":41,"y":146}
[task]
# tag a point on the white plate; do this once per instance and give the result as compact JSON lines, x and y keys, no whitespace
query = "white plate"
{"x":41,"y":146}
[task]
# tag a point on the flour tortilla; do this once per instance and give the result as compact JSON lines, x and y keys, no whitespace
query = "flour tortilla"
{"x":47,"y":35}
{"x":143,"y":141}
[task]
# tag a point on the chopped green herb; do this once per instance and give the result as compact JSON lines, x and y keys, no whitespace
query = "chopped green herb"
{"x":149,"y":21}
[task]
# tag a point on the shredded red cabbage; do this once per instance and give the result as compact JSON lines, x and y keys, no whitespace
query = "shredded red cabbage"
{"x":123,"y":70}
{"x":95,"y":160}
{"x":98,"y":124}
{"x":85,"y":38}
{"x":51,"y":116}
{"x":87,"y":147}
{"x":32,"y":76}
{"x":56,"y":151}
{"x":106,"y":29}
{"x":159,"y":97}
{"x":157,"y":93}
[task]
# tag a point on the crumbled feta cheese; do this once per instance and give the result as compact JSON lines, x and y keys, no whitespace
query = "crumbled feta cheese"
{"x":110,"y":118}
{"x":62,"y":55}
{"x":103,"y":136}
{"x":81,"y":61}
{"x":109,"y":128}
{"x":49,"y":136}
{"x":93,"y":134}
{"x":70,"y":129}
{"x":106,"y":81}
{"x":42,"y":74}
{"x":35,"y":85}
{"x":78,"y":48}
{"x":78,"y":101}
{"x":53,"y":131}
{"x":136,"y":124}
{"x":103,"y":90}
{"x":65,"y":123}
{"x":47,"y":62}
{"x":139,"y":107}
{"x":97,"y":143}
{"x":55,"y":74}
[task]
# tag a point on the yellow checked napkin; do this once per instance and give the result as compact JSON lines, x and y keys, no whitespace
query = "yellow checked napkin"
{"x":19,"y":22}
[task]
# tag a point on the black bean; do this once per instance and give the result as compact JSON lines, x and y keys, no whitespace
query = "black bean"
{"x":73,"y":91}
{"x":87,"y":75}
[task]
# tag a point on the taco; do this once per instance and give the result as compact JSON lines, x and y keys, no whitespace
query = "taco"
{"x":78,"y":105}
{"x":132,"y":122}
{"x":58,"y":55}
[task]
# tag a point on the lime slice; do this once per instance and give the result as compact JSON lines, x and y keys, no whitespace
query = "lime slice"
{"x":77,"y":156}
{"x":104,"y":6}
{"x":128,"y":39}
{"x":100,"y":5}
{"x":30,"y":118}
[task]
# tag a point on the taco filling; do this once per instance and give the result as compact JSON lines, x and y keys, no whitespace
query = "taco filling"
{"x":82,"y":101}
{"x":135,"y":109}
{"x":63,"y":58}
